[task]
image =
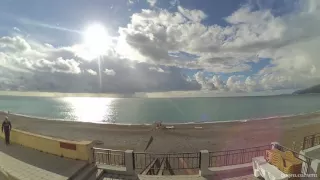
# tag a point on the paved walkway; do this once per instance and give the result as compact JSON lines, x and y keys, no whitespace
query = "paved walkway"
{"x":29,"y":164}
{"x":182,"y":177}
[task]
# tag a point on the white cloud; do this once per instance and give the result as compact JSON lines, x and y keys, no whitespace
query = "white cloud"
{"x":156,"y":69}
{"x":205,"y":83}
{"x":290,"y":41}
{"x":218,"y":83}
{"x":174,"y":3}
{"x":92,"y":72}
{"x":48,"y":45}
{"x":193,"y":15}
{"x":250,"y":34}
{"x":16,"y":29}
{"x":109,"y":72}
{"x":153,"y":34}
{"x":251,"y":84}
{"x":244,"y":15}
{"x":43,"y":67}
{"x":59,"y":65}
{"x":14,"y":43}
{"x":152,"y":2}
{"x":234,"y":84}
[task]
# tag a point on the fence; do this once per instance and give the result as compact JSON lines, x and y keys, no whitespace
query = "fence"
{"x":234,"y":157}
{"x":157,"y":163}
{"x":305,"y":159}
{"x":109,"y":156}
{"x":311,"y":141}
{"x":160,"y":162}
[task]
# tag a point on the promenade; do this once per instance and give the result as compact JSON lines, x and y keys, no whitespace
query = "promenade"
{"x":23,"y":163}
{"x":27,"y":164}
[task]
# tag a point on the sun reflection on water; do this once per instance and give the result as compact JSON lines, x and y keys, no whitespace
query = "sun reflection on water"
{"x":90,"y":109}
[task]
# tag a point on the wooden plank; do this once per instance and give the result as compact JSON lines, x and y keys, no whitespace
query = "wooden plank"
{"x":147,"y":169}
{"x":169,"y":167}
{"x":162,"y":165}
{"x":185,"y":165}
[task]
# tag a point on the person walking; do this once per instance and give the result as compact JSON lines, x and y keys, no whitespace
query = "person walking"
{"x":6,"y":127}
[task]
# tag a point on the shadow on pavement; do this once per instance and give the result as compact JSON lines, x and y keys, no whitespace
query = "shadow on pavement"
{"x":62,"y":166}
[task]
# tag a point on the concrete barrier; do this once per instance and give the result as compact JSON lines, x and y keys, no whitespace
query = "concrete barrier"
{"x":314,"y":153}
{"x":80,"y":150}
{"x":4,"y":175}
{"x":224,"y":172}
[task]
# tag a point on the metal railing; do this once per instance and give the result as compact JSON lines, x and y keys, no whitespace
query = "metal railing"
{"x":305,"y":159}
{"x":157,"y":163}
{"x":109,"y":156}
{"x":311,"y":141}
{"x":238,"y":156}
{"x":173,"y":161}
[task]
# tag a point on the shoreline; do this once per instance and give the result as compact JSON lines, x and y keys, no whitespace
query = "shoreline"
{"x":178,"y":124}
{"x":182,"y":138}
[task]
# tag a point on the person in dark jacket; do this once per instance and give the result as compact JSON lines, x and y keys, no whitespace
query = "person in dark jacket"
{"x":6,"y":127}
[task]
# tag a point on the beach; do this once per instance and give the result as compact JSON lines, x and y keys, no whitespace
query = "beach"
{"x":182,"y":138}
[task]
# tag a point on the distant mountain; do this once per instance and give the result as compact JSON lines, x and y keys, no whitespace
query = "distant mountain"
{"x":311,"y":90}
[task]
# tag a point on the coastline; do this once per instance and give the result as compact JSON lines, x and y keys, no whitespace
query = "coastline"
{"x":173,"y":123}
{"x":182,"y":138}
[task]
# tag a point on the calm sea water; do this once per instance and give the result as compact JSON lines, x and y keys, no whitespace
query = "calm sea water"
{"x":175,"y":110}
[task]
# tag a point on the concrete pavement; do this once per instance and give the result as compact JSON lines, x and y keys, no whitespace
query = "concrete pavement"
{"x":29,"y":164}
{"x":181,"y":177}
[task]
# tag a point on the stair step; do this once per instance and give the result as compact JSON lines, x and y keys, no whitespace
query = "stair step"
{"x":86,"y":172}
{"x":96,"y":175}
{"x":108,"y":176}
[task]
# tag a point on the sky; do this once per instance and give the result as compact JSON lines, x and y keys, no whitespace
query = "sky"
{"x":152,"y":46}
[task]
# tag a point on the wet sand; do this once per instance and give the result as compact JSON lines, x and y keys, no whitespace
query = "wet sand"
{"x":183,"y":138}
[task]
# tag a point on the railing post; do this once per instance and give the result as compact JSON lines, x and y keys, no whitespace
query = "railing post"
{"x":304,"y":143}
{"x":306,"y":165}
{"x":90,"y":152}
{"x":312,"y":140}
{"x":129,"y":161}
{"x":204,"y":166}
{"x":309,"y":165}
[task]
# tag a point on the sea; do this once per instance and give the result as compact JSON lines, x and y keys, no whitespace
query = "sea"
{"x":167,"y":110}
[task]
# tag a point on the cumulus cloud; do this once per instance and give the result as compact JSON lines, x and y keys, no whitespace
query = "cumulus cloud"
{"x":92,"y":72}
{"x":59,"y":65}
{"x":179,"y":41}
{"x":203,"y":81}
{"x":156,"y":69}
{"x":16,"y":29}
{"x":232,"y":84}
{"x":153,"y":34}
{"x":250,"y":35}
{"x":174,"y":3}
{"x":152,"y":2}
{"x":193,"y":15}
{"x":43,"y":67}
{"x":109,"y":72}
{"x":14,"y":43}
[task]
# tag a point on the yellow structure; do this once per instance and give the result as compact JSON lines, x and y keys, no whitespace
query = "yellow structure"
{"x":70,"y":149}
{"x":285,"y":161}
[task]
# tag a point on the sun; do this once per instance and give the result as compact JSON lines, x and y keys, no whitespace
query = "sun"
{"x":96,"y":39}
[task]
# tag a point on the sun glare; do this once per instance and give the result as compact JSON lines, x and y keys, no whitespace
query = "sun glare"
{"x":96,"y":39}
